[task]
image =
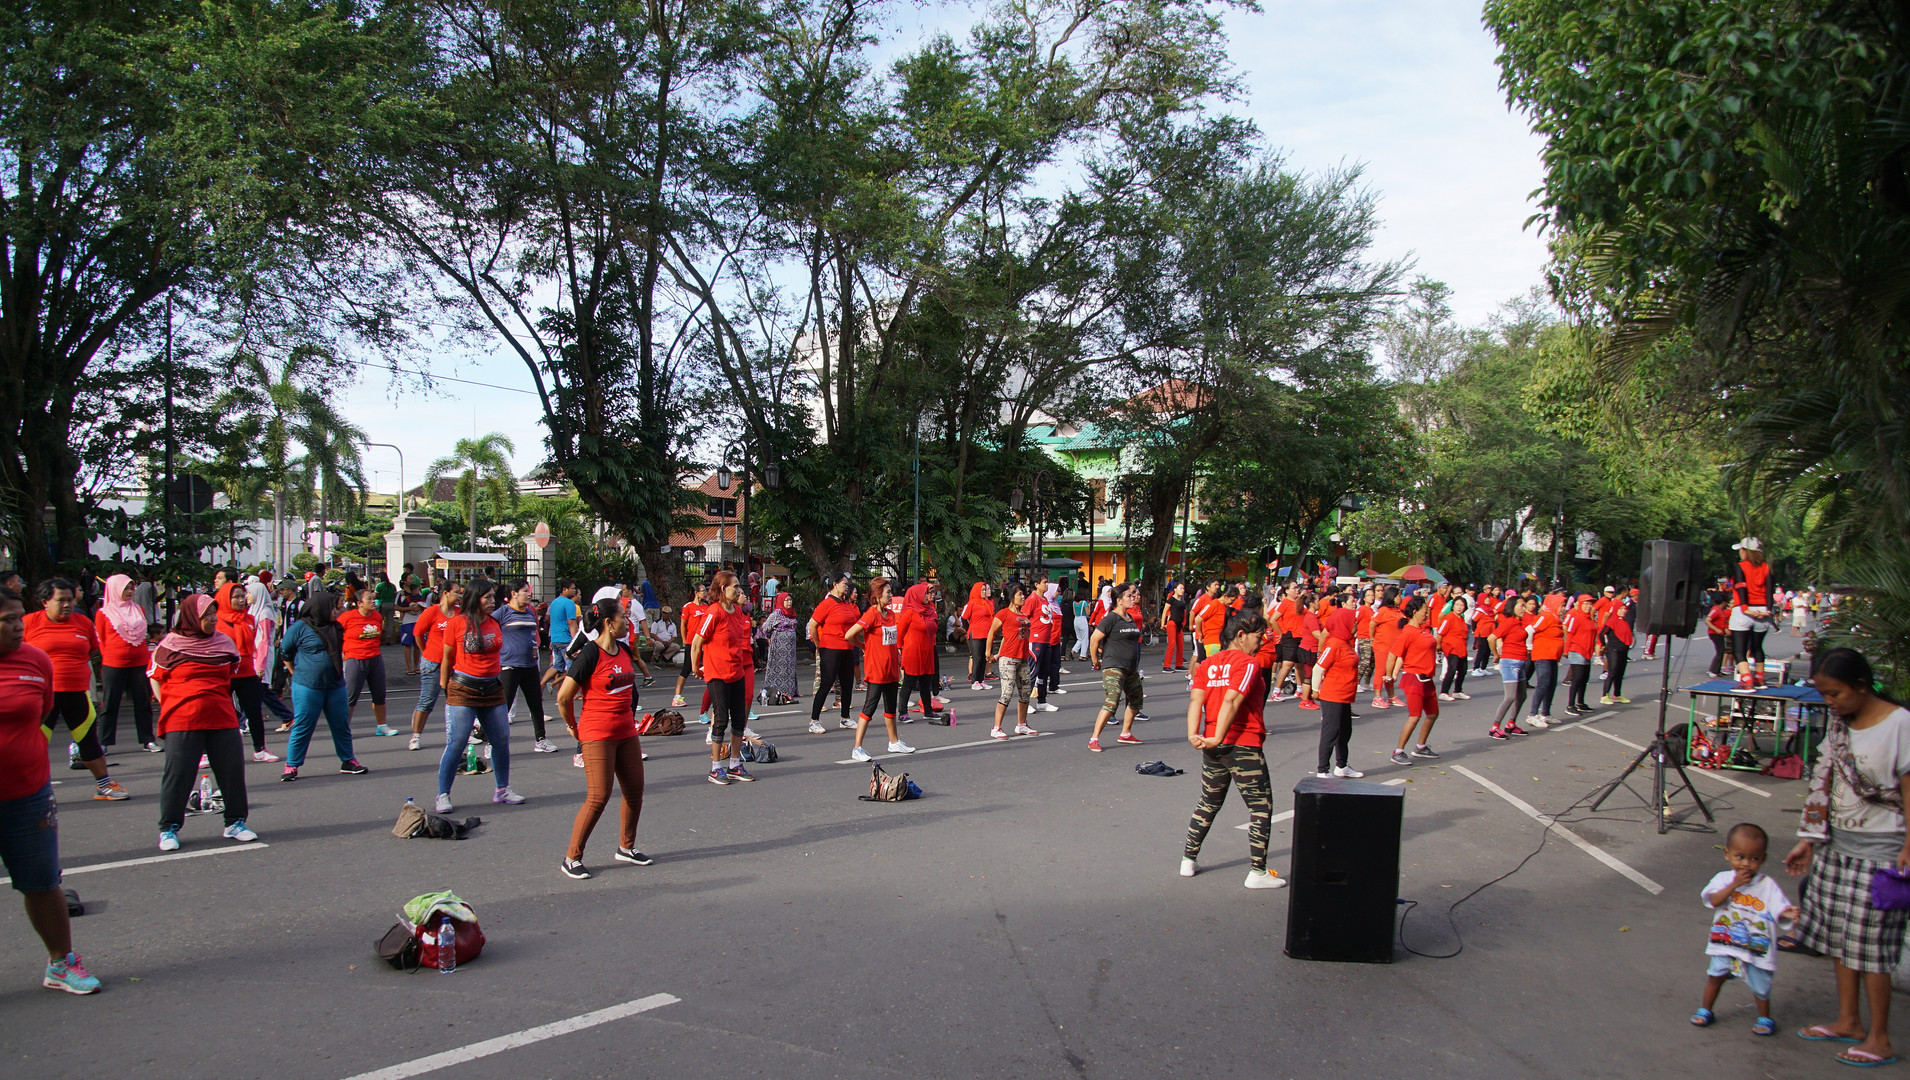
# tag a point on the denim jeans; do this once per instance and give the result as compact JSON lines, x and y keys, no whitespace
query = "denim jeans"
{"x":1545,"y":680}
{"x":307,"y":703}
{"x":460,"y":720}
{"x":427,"y":688}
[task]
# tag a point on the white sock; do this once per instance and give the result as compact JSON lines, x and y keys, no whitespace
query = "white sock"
{"x":736,"y":763}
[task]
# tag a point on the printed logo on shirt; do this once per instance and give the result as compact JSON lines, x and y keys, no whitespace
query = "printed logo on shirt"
{"x":32,"y":678}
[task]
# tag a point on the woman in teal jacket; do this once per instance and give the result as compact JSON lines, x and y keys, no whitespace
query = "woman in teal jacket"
{"x":312,"y":648}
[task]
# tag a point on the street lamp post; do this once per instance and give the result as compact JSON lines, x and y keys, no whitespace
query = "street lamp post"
{"x":772,"y":479}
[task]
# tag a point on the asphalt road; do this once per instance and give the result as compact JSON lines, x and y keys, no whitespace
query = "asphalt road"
{"x":1024,"y":919}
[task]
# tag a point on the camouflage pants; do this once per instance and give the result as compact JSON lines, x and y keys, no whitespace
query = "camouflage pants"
{"x":1247,"y":767}
{"x":1365,"y":648}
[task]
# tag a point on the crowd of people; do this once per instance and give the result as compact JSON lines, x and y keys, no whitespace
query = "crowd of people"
{"x":248,"y":647}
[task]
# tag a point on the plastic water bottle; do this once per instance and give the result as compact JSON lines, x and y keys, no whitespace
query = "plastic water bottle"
{"x":447,"y":948}
{"x":409,"y":801}
{"x":205,"y":792}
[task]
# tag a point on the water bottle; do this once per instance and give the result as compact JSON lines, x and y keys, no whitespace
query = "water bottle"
{"x":447,"y":948}
{"x":205,"y":792}
{"x":409,"y":801}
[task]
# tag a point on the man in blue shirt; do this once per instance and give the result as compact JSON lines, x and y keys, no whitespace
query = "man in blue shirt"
{"x":564,"y":619}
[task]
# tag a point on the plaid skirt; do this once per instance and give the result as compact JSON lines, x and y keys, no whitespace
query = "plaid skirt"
{"x":1838,"y":920}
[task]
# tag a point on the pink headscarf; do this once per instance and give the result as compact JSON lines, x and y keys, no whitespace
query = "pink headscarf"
{"x":128,"y":619}
{"x":189,"y":641}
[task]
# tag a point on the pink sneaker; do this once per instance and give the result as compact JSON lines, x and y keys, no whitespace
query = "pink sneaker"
{"x":1129,"y":740}
{"x":1094,"y":745}
{"x":1379,"y":703}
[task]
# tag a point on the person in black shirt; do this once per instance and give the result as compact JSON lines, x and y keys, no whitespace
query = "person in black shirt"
{"x":1116,"y":647}
{"x":1174,"y":625}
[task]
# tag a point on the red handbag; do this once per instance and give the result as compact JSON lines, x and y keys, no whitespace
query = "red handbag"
{"x":470,"y":940}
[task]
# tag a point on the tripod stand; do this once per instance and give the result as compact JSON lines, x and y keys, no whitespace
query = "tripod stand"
{"x":1659,"y":751}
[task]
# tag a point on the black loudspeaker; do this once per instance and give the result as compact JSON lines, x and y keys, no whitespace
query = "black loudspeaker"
{"x":1345,"y":879}
{"x":1671,"y":582}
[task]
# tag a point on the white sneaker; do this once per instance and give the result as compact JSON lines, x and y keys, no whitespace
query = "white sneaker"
{"x":506,"y":796}
{"x":1062,"y":671}
{"x":1024,"y":729}
{"x":543,"y":746}
{"x":1463,"y":697}
{"x":1261,"y":879}
{"x":750,"y":732}
{"x":998,"y":734}
{"x":168,"y":840}
{"x":1445,"y":697}
{"x":847,"y":725}
{"x":1188,"y":868}
{"x":859,"y":754}
{"x":816,"y":728}
{"x":1539,"y":722}
{"x":444,"y":804}
{"x":416,"y":742}
{"x":901,"y":748}
{"x":1057,"y":690}
{"x":1323,"y":776}
{"x":238,"y":831}
{"x":977,"y":686}
{"x":1345,"y":773}
{"x":577,"y":761}
{"x":1046,"y":706}
{"x":264,"y":755}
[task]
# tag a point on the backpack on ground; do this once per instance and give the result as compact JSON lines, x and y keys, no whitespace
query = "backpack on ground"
{"x":661,"y":722}
{"x":886,"y":788}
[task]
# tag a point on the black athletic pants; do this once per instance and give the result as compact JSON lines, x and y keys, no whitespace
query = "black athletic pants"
{"x":529,"y":682}
{"x":977,"y":660}
{"x":878,"y":693}
{"x":224,"y":751}
{"x":250,"y":690}
{"x":130,"y":682}
{"x":1454,"y":681}
{"x":1336,"y":733}
{"x":839,"y":671}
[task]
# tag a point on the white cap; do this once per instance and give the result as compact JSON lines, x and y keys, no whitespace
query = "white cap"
{"x":1750,"y":543}
{"x":1610,"y":589}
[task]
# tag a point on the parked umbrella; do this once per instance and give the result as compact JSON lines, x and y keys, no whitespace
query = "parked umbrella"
{"x":1419,"y":572}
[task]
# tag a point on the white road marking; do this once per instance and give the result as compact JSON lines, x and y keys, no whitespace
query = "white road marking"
{"x":1693,"y":769}
{"x":516,"y":1039}
{"x":990,"y":741}
{"x":69,"y":871}
{"x":1580,"y":842}
{"x":1285,"y":814}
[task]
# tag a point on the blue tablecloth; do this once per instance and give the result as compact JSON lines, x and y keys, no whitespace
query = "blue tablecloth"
{"x":1805,"y":695}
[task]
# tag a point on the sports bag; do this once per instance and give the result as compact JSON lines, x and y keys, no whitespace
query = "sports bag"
{"x":759,"y":751}
{"x":886,"y":788}
{"x":661,"y":722}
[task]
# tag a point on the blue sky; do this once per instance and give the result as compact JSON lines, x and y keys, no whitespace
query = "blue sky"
{"x":1405,"y":88}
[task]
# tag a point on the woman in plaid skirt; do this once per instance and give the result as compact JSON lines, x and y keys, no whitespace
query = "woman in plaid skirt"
{"x":1853,"y":827}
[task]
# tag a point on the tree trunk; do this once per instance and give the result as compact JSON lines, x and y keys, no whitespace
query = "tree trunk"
{"x":1164,"y":493}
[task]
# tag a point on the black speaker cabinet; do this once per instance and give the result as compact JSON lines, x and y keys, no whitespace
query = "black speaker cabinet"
{"x":1671,"y":583}
{"x":1345,"y":879}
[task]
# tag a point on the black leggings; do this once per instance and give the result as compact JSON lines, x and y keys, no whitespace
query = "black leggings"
{"x":839,"y":671}
{"x":1482,"y":650}
{"x":878,"y":692}
{"x":1454,"y":681}
{"x":1720,"y":652}
{"x":1336,"y":733}
{"x":922,"y":685}
{"x":1749,"y":645}
{"x":1545,"y":682}
{"x":250,"y":690}
{"x":1042,"y":652}
{"x":1576,"y":678}
{"x":75,"y":708}
{"x":529,"y":682}
{"x":729,"y":708}
{"x":130,"y":682}
{"x":977,"y":660}
{"x":1617,"y":655}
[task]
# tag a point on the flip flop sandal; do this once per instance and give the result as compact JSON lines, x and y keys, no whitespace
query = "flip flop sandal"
{"x":1864,"y":1059}
{"x":1820,"y":1033}
{"x":1764,"y":1026}
{"x":1702,"y":1018}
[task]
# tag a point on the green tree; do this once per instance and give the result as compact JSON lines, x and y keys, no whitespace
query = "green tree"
{"x":483,"y":471}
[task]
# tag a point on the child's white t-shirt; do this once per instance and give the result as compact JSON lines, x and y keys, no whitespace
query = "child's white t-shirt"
{"x":1745,"y":925}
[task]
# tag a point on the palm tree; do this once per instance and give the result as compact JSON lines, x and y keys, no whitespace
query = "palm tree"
{"x":482,"y":467}
{"x":277,"y":412}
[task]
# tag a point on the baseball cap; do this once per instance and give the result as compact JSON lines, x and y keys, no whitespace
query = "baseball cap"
{"x":1750,"y":543}
{"x":1610,"y":589}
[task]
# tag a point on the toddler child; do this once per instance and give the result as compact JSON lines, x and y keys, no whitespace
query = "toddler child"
{"x":1743,"y":943}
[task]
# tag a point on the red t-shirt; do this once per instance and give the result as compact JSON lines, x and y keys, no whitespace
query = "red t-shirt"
{"x":1310,"y":629}
{"x":243,"y":630}
{"x":609,"y":685}
{"x":1415,"y":649}
{"x":1385,"y":628}
{"x":881,"y":646}
{"x":1581,"y":633}
{"x":1717,"y":622}
{"x":68,"y":645}
{"x":1511,"y":635}
{"x":113,"y":650}
{"x":1548,"y":637}
{"x":1452,"y":633}
{"x":1363,"y":623}
{"x":833,"y":618}
{"x":1231,"y":669}
{"x":1340,"y":665}
{"x":1287,"y":617}
{"x":979,"y":614}
{"x":26,"y":696}
{"x":362,"y":634}
{"x":1014,"y":634}
{"x":428,"y":620}
{"x":195,"y":695}
{"x":720,"y":662}
{"x":478,"y":665}
{"x":741,"y":645}
{"x":918,"y":643}
{"x":1213,"y":618}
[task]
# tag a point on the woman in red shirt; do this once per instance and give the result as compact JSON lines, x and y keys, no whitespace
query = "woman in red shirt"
{"x":1581,"y":642}
{"x":1224,"y":723}
{"x":1509,"y":647}
{"x":364,"y":631}
{"x":978,"y":615}
{"x":834,"y":654}
{"x":1011,"y":660}
{"x":717,"y":650}
{"x":1616,"y":636}
{"x":1547,"y":634}
{"x":192,"y":669}
{"x":916,"y":630}
{"x":881,"y":641}
{"x":69,"y":640}
{"x":121,"y":629}
{"x":1717,"y":624}
{"x":1451,"y":632}
{"x":688,"y":618}
{"x":603,"y":672}
{"x":1415,"y":651}
{"x":237,"y":623}
{"x":1336,"y":682}
{"x":1385,"y":628}
{"x":471,"y":674}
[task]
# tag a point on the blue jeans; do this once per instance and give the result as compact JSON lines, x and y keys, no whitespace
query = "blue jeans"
{"x":307,"y":703}
{"x":1545,"y":680}
{"x":459,"y":721}
{"x":427,"y":687}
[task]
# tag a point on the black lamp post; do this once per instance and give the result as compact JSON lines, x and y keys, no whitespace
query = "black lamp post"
{"x":772,"y":476}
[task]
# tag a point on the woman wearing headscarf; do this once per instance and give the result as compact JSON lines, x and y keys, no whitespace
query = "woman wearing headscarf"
{"x":779,"y":630}
{"x":979,"y":615}
{"x":1057,"y":621}
{"x":835,"y":653}
{"x":237,"y":623}
{"x":314,"y":647}
{"x":470,"y":672}
{"x":193,"y":669}
{"x":1336,"y":682}
{"x":262,"y":602}
{"x":916,"y":629}
{"x":124,"y":656}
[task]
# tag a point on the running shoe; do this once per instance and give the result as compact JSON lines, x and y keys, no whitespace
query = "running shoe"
{"x":703,"y":718}
{"x":577,"y":761}
{"x":752,"y":716}
{"x":282,"y":729}
{"x":1141,"y":718}
{"x":290,"y":774}
{"x":1379,"y":703}
{"x":1276,"y":696}
{"x":264,"y":755}
{"x":169,"y":839}
{"x":574,"y":869}
{"x":1057,"y":690}
{"x":153,"y":748}
{"x":238,"y":831}
{"x":1620,"y":699}
{"x":1188,"y":868}
{"x":443,"y":805}
{"x":1063,"y":671}
{"x":70,"y":975}
{"x":1046,"y":706}
{"x":1309,"y":705}
{"x":632,"y":855}
{"x":901,"y":748}
{"x":976,"y":686}
{"x":1345,"y":773}
{"x":1514,"y":729}
{"x":750,"y":732}
{"x":847,"y":725}
{"x":110,"y":791}
{"x":1605,"y":699}
{"x":73,"y":756}
{"x":859,"y":754}
{"x":816,"y":728}
{"x":1328,"y":775}
{"x":1094,"y":745}
{"x":1395,"y":703}
{"x":1651,"y":656}
{"x":997,"y":733}
{"x":677,"y":702}
{"x":1540,"y":722}
{"x":737,"y":772}
{"x":507,"y":797}
{"x":417,"y":742}
{"x":352,"y":768}
{"x":1495,"y":733}
{"x":1462,"y":697}
{"x":1445,"y":697}
{"x":543,"y":746}
{"x":1024,"y":729}
{"x":1128,"y":740}
{"x":1265,"y":879}
{"x":1400,"y":758}
{"x":649,"y":680}
{"x":1424,"y":751}
{"x":384,"y":729}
